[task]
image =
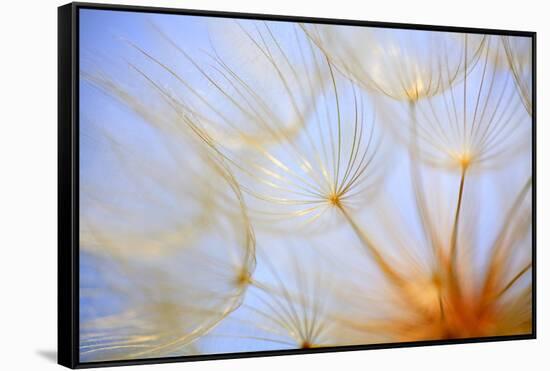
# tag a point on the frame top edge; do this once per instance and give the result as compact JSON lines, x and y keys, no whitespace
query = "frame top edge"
{"x":304,"y":19}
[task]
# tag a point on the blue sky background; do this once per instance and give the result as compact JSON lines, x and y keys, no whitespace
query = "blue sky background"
{"x":102,"y":35}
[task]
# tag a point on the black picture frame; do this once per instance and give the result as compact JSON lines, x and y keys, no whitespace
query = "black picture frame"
{"x":68,"y":182}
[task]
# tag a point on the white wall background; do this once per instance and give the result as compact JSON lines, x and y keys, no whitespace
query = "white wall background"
{"x":28,"y":181}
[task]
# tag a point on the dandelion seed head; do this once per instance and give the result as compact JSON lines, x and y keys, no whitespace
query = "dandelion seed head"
{"x":464,"y":158}
{"x":287,"y":176}
{"x":246,"y":208}
{"x":518,"y":55}
{"x":403,"y":67}
{"x":244,"y":278}
{"x":334,"y":200}
{"x":478,"y":120}
{"x":416,"y":90}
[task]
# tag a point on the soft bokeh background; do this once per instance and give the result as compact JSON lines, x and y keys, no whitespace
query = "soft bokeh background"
{"x":135,"y":192}
{"x":33,"y":345}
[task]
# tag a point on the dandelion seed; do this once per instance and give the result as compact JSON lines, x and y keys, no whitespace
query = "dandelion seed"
{"x":443,"y":297}
{"x":518,"y":55}
{"x":404,"y":66}
{"x":179,"y":259}
{"x":336,"y":152}
{"x":478,"y":122}
{"x":287,"y":304}
{"x":280,"y":127}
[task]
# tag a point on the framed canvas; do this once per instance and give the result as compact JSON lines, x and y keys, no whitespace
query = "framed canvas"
{"x":240,"y":185}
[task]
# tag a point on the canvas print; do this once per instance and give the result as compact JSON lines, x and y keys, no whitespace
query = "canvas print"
{"x":250,"y":185}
